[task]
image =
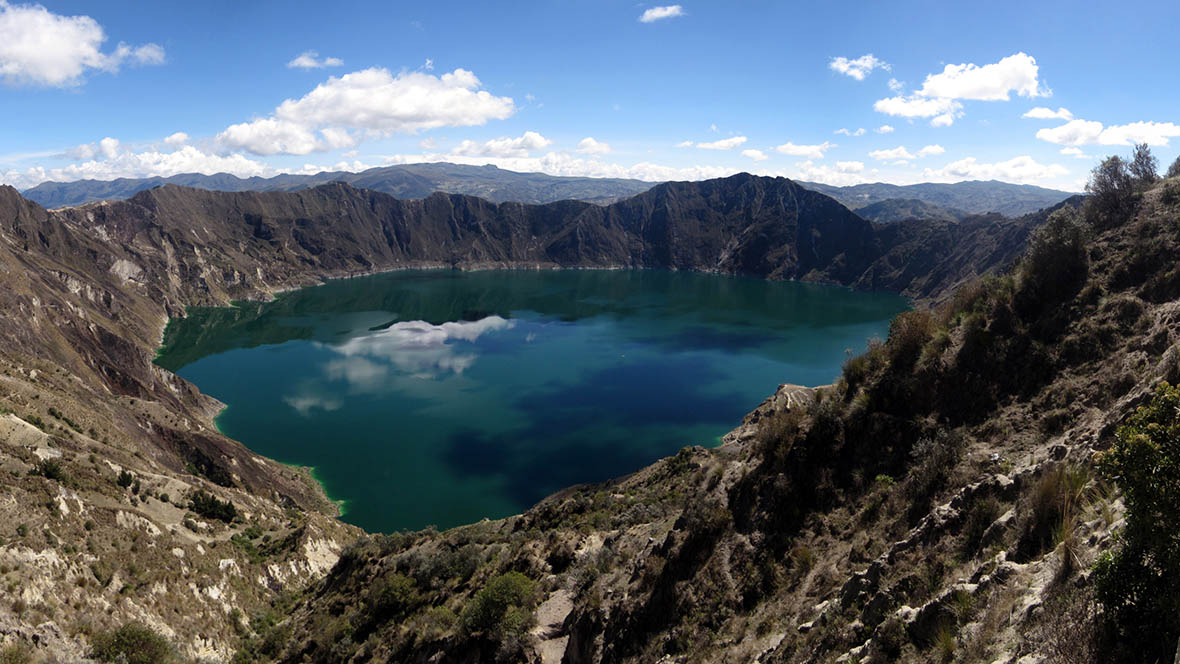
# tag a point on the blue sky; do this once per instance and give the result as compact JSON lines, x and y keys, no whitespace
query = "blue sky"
{"x":840,"y":93}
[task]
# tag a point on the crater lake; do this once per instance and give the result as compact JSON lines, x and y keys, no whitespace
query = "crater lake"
{"x":442,"y":397}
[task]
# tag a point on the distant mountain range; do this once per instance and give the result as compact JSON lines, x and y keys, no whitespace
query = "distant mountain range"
{"x":413,"y":181}
{"x":972,"y":197}
{"x":406,"y":181}
{"x":893,"y":210}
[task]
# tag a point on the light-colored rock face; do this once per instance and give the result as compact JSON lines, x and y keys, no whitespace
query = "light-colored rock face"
{"x":126,"y":270}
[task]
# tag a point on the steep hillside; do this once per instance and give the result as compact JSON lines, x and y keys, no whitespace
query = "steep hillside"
{"x":126,"y":505}
{"x":972,"y":197}
{"x":892,"y":210}
{"x":939,"y":503}
{"x":407,"y":181}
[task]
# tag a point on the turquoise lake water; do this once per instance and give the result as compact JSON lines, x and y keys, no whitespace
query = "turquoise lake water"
{"x":443,"y":397}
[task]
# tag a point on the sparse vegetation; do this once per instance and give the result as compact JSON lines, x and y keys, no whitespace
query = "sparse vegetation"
{"x":210,"y":507}
{"x":132,"y":643}
{"x":1138,"y":584}
{"x":503,"y":606}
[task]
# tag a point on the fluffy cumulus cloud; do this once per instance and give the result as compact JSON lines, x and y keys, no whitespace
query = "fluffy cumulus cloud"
{"x":917,"y":107}
{"x":521,"y":146}
{"x":312,"y":60}
{"x":941,"y":95}
{"x":1091,"y":132}
{"x":848,"y":132}
{"x":858,"y":68}
{"x":1044,"y":113}
{"x":590,"y":146}
{"x":809,"y":151}
{"x":370,"y":103}
{"x":38,"y":47}
{"x":723,"y":144}
{"x":884,"y":129}
{"x":756,"y":155}
{"x":995,"y":82}
{"x":844,"y":173}
{"x":177,"y":139}
{"x":1023,"y":169}
{"x":660,"y":13}
{"x":1076,"y":153}
{"x":899,"y":152}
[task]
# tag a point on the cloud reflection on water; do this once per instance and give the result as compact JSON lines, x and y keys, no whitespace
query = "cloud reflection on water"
{"x":415,"y":349}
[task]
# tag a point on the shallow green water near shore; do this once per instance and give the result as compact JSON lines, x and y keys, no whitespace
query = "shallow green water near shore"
{"x":442,"y":397}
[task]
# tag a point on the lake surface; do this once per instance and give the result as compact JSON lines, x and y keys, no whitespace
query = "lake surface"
{"x":443,"y":397}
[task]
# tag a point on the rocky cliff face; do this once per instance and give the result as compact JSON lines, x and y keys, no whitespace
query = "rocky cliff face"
{"x":107,"y":451}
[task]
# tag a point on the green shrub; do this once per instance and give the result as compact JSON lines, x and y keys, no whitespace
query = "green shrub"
{"x":1174,"y":169}
{"x":133,"y":644}
{"x":1111,"y":192}
{"x":393,"y":597}
{"x":125,"y":479}
{"x":1055,"y":265}
{"x":502,"y":606}
{"x":1139,"y":583}
{"x":50,"y":469}
{"x":208,"y":506}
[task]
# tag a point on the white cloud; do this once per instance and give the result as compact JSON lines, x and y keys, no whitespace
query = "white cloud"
{"x":756,"y":155}
{"x":1091,"y":132}
{"x":1015,"y":73}
{"x":896,"y":85}
{"x":504,"y":146}
{"x":428,"y":143}
{"x":1043,"y":113}
{"x":1023,"y":169}
{"x":723,"y":144}
{"x":590,"y":146}
{"x":833,"y":175}
{"x":884,"y":129}
{"x":846,"y":132}
{"x":659,"y":13}
{"x":809,"y":151}
{"x":850,"y":166}
{"x":312,"y":60}
{"x":38,"y":47}
{"x":177,"y":139}
{"x":684,"y":144}
{"x":1074,"y":132}
{"x":109,"y":147}
{"x":899,"y":152}
{"x":368,"y":103}
{"x":940,"y":95}
{"x":944,"y":120}
{"x":1076,"y":153}
{"x":121,"y":163}
{"x":1152,"y":133}
{"x":858,"y":68}
{"x":916,"y":107}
